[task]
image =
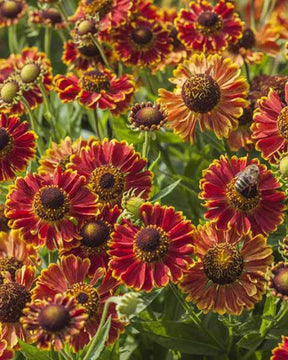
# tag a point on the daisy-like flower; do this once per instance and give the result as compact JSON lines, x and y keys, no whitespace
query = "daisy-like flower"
{"x":11,"y":11}
{"x":17,"y":146}
{"x":53,"y":322}
{"x":281,"y":352}
{"x":148,"y":117}
{"x":142,"y":42}
{"x":91,"y":294}
{"x":6,"y":353}
{"x":209,"y":89}
{"x":258,"y":208}
{"x":230,"y":273}
{"x":97,"y":89}
{"x":207,"y":28}
{"x":59,"y":154}
{"x":50,"y":17}
{"x":14,"y":295}
{"x":45,"y":208}
{"x":112,"y":168}
{"x":149,"y":255}
{"x":270,"y":127}
{"x":278,"y":280}
{"x":93,"y":237}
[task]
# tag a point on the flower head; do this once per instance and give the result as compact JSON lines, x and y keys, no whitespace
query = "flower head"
{"x":148,"y":117}
{"x":278,"y":280}
{"x":281,"y":352}
{"x":50,"y":17}
{"x":11,"y":11}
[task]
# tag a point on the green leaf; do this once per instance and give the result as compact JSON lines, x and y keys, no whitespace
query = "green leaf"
{"x":32,"y":353}
{"x":250,"y":341}
{"x":269,"y":313}
{"x":164,"y":192}
{"x":144,"y":300}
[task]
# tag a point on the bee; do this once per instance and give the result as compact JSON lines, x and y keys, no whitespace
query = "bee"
{"x":247,"y":178}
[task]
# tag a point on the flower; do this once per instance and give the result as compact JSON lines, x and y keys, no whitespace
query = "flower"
{"x":92,"y":239}
{"x":148,"y":117}
{"x":209,"y":89}
{"x":277,"y":280}
{"x":207,"y":28}
{"x":50,"y":17}
{"x":112,"y":168}
{"x":141,"y":42}
{"x":6,"y":353}
{"x":149,"y":255}
{"x":11,"y":11}
{"x":259,"y":208}
{"x":58,"y":278}
{"x":96,"y":89}
{"x":14,"y":295}
{"x":270,"y":127}
{"x":230,"y":273}
{"x":281,"y":352}
{"x":59,"y":154}
{"x":53,"y":322}
{"x":45,"y":208}
{"x":17,"y":146}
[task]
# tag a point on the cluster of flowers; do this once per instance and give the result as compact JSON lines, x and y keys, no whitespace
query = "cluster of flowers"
{"x":90,"y":199}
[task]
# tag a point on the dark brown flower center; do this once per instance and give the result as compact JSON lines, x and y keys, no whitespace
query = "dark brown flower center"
{"x":10,"y":264}
{"x":54,"y":317}
{"x":208,"y":23}
{"x":276,"y":82}
{"x":201,"y":93}
{"x":9,"y":91}
{"x":95,"y":81}
{"x":3,"y":219}
{"x":247,"y":200}
{"x":149,"y":116}
{"x":102,"y":7}
{"x":30,"y":72}
{"x":223,"y":264}
{"x":89,"y":51}
{"x":95,"y":233}
{"x":108,"y":183}
{"x":5,"y":140}
{"x":51,"y":203}
{"x":141,"y":35}
{"x":280,"y":280}
{"x":282,"y":123}
{"x":247,"y":117}
{"x":248,"y":40}
{"x":87,"y":296}
{"x":53,"y":15}
{"x":10,"y":9}
{"x":13,"y":298}
{"x":151,"y":244}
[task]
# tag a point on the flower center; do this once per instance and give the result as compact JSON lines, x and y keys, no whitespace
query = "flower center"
{"x":87,"y":296}
{"x":10,"y":264}
{"x":89,"y":51}
{"x":10,"y":9}
{"x":248,"y":40}
{"x":108,"y":183}
{"x":54,"y":317}
{"x":9,"y":91}
{"x":86,"y":27}
{"x":30,"y":72}
{"x":149,"y":116}
{"x":141,"y":35}
{"x":282,"y":123}
{"x":102,"y":7}
{"x":201,"y":93}
{"x":95,"y":81}
{"x":280,"y":281}
{"x":53,"y":15}
{"x":51,"y":203}
{"x":13,"y":298}
{"x":95,"y":234}
{"x":223,"y":264}
{"x":247,"y":116}
{"x":151,"y":244}
{"x":6,"y":142}
{"x":247,"y":200}
{"x":208,"y":23}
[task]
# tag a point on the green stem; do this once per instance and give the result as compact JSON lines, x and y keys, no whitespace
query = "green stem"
{"x":47,"y":41}
{"x":146,"y":143}
{"x":196,"y":319}
{"x":247,"y":72}
{"x":10,"y":39}
{"x":49,"y":112}
{"x":64,"y":15}
{"x":150,"y":83}
{"x":101,"y":51}
{"x":64,"y":355}
{"x":97,"y":124}
{"x":95,"y":339}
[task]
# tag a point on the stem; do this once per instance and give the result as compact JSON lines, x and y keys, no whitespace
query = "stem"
{"x":247,"y":72}
{"x":150,"y":83}
{"x":95,"y":339}
{"x":47,"y":41}
{"x":64,"y":15}
{"x":49,"y":113}
{"x":97,"y":123}
{"x":64,"y":355}
{"x":10,"y":39}
{"x":145,"y":148}
{"x":252,"y":18}
{"x":101,"y":51}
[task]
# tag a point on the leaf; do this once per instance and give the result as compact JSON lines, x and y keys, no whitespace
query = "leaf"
{"x":250,"y":341}
{"x":32,"y":353}
{"x":164,"y":192}
{"x":269,"y":313}
{"x":144,"y":300}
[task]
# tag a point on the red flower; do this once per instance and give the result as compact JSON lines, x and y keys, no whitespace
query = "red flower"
{"x":207,"y":28}
{"x":97,"y":89}
{"x":150,"y":255}
{"x":230,"y":273}
{"x":281,"y":352}
{"x":112,"y":168}
{"x":50,"y":17}
{"x":11,"y":12}
{"x":45,"y":207}
{"x":17,"y":146}
{"x":259,"y":208}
